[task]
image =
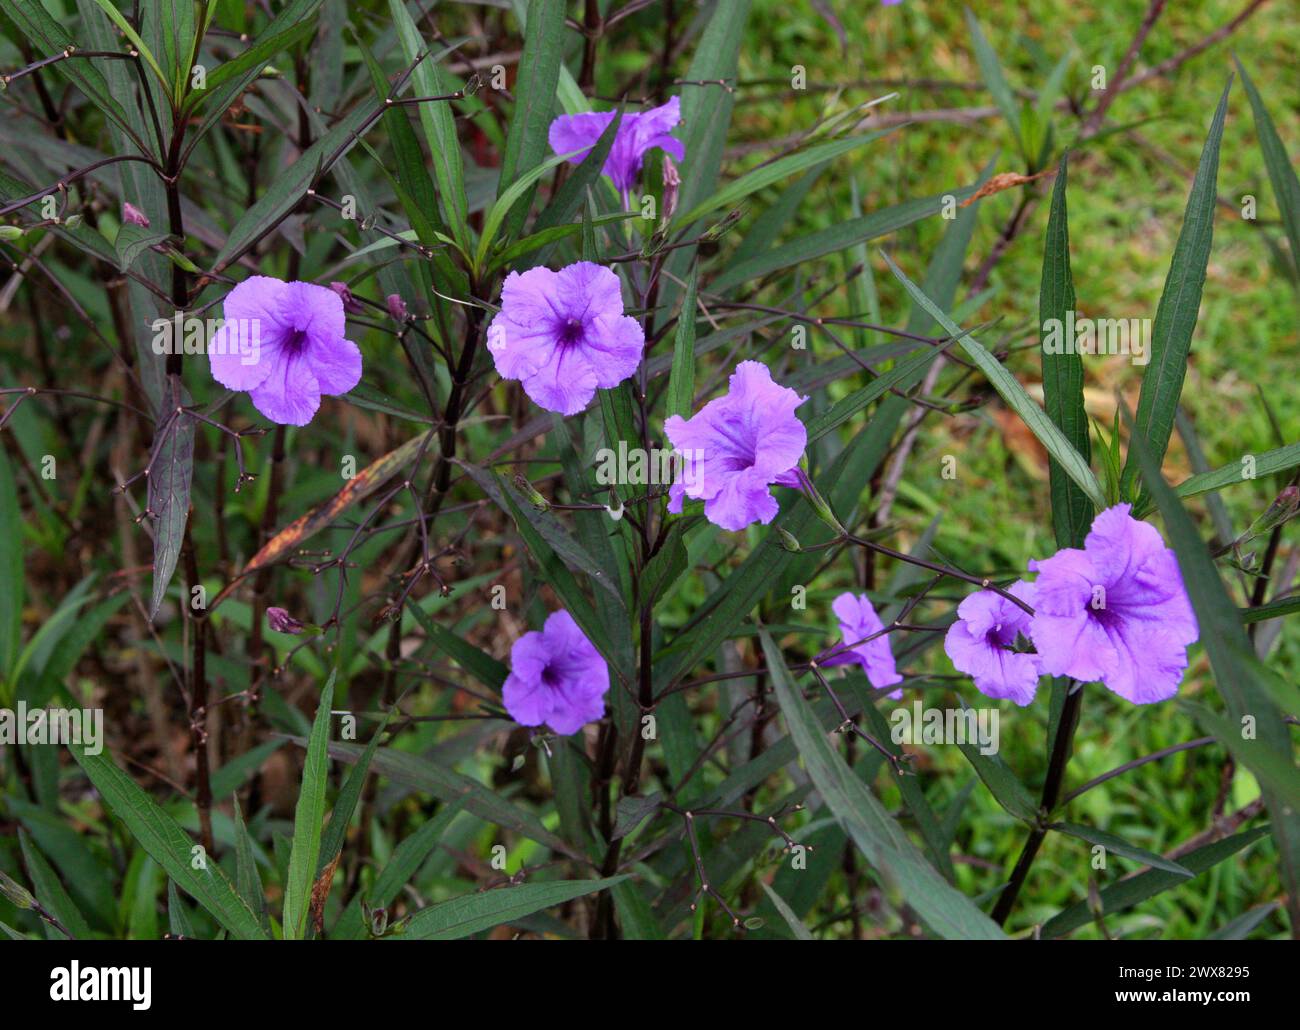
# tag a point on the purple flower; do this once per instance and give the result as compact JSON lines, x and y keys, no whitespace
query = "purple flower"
{"x":132,"y":215}
{"x":980,"y":643}
{"x":637,"y":133}
{"x":858,"y":620}
{"x":1115,"y":611}
{"x":284,"y":343}
{"x":556,"y":677}
{"x":282,"y":622}
{"x":563,"y":334}
{"x":735,"y":447}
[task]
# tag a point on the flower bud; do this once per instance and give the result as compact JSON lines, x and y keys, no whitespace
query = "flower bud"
{"x":396,"y":307}
{"x":531,"y":495}
{"x":15,"y":893}
{"x":672,"y":185}
{"x":789,"y":541}
{"x":132,"y":215}
{"x":282,"y":622}
{"x":350,"y":304}
{"x":11,"y":232}
{"x":1282,"y":510}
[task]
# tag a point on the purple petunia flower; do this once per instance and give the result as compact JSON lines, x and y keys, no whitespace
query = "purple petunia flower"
{"x":563,"y":334}
{"x":858,"y":620}
{"x":556,"y":677}
{"x":735,"y":447}
{"x":980,"y":643}
{"x":1115,"y":611}
{"x":637,"y":133}
{"x":284,"y":344}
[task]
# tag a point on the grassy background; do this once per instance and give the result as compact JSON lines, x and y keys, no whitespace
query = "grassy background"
{"x":1126,"y":200}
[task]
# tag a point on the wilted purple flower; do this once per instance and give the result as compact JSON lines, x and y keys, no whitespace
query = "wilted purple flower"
{"x":637,"y":133}
{"x":350,"y":304}
{"x":396,"y":307}
{"x":556,"y":677}
{"x":563,"y":334}
{"x":282,"y":622}
{"x":298,"y":350}
{"x":672,"y":186}
{"x":735,"y":447}
{"x":1115,"y":611}
{"x":980,"y":644}
{"x":132,"y":215}
{"x":858,"y":620}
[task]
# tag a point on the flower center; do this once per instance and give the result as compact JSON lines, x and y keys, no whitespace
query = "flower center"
{"x":551,"y":677}
{"x":296,"y":341}
{"x":571,"y":331}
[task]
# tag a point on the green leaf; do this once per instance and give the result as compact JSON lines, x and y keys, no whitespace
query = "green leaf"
{"x":1134,"y":890}
{"x":51,"y":893}
{"x":439,"y":126}
{"x":1264,"y":465}
{"x":1009,"y":388}
{"x":128,"y":30}
{"x":1002,"y":783}
{"x":880,"y":839}
{"x":169,"y":845}
{"x":307,"y":819}
{"x":11,"y":574}
{"x":1122,"y":847}
{"x":1286,"y":187}
{"x":1063,"y":373}
{"x":350,"y":793}
{"x":836,"y":238}
{"x":796,"y":925}
{"x":171,"y":471}
{"x":539,"y":73}
{"x":132,"y":241}
{"x":481,"y":665}
{"x":681,"y":380}
{"x":450,"y":786}
{"x":991,"y":73}
{"x":248,"y":881}
{"x":473,"y":913}
{"x":766,"y":175}
{"x":1180,"y":302}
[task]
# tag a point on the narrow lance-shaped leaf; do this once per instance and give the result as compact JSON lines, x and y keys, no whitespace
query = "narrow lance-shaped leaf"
{"x":1286,"y":187}
{"x":1180,"y":302}
{"x":172,"y":468}
{"x":1062,"y":371}
{"x":308,"y":819}
{"x":539,"y":73}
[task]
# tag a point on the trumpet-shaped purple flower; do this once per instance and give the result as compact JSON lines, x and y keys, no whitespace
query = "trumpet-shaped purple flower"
{"x":858,"y":620}
{"x":284,"y":344}
{"x":563,"y":334}
{"x":637,"y":133}
{"x":980,"y":644}
{"x":556,"y":677}
{"x":735,"y":447}
{"x":1115,"y":611}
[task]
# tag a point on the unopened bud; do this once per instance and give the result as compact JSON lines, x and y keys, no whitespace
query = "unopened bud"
{"x":15,"y":893}
{"x":282,"y":622}
{"x":789,"y":541}
{"x":350,"y":304}
{"x":396,"y":306}
{"x":531,"y":495}
{"x":132,"y":215}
